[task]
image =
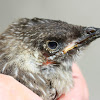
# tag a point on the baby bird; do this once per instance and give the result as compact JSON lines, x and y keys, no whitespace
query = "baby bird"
{"x":39,"y":53}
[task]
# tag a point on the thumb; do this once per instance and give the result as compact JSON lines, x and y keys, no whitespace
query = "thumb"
{"x":10,"y":89}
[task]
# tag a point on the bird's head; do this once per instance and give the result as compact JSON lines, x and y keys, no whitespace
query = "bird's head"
{"x":45,"y":42}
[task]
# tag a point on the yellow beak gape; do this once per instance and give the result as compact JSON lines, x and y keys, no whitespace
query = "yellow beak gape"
{"x":69,"y":47}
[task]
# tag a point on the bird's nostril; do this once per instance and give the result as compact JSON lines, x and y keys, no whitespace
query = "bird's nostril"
{"x":90,"y":30}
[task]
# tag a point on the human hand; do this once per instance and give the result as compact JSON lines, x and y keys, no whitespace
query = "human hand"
{"x":10,"y":89}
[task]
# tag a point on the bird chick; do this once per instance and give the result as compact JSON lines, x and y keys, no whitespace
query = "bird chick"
{"x":39,"y":53}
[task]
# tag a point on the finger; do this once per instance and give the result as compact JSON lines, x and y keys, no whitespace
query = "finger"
{"x":10,"y":89}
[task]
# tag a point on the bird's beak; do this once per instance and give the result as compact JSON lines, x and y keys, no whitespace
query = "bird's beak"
{"x":89,"y":35}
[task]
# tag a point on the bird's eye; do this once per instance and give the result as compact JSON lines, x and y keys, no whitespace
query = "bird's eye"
{"x":52,"y":44}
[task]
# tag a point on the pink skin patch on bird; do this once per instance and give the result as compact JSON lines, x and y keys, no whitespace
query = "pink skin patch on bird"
{"x":47,"y":62}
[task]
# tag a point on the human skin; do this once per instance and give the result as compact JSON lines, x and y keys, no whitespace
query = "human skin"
{"x":10,"y":89}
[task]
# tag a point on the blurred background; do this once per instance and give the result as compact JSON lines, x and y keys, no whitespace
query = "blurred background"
{"x":80,"y":12}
